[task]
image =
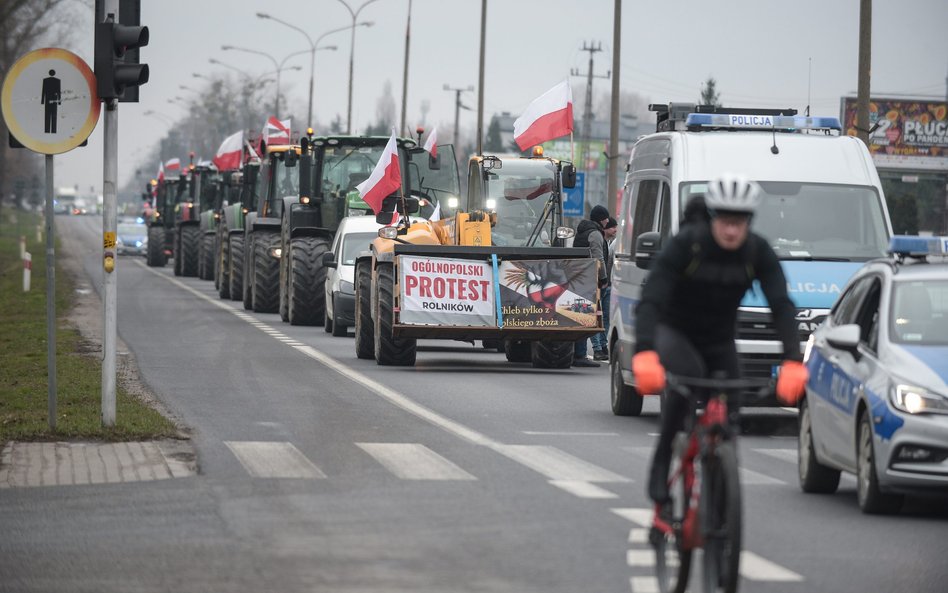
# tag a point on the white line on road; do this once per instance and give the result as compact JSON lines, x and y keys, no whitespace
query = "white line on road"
{"x":583,"y":489}
{"x":644,"y":557}
{"x":638,"y":535}
{"x":755,"y":568}
{"x":641,"y":517}
{"x":558,"y":465}
{"x":751,"y":478}
{"x":264,"y":459}
{"x":643,"y":585}
{"x":571,"y":434}
{"x":788,"y":455}
{"x":413,"y":461}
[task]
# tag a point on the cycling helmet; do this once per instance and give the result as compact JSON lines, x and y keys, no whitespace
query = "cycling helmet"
{"x":732,"y":193}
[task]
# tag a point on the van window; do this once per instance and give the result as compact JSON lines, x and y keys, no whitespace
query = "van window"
{"x":646,"y":204}
{"x":813,"y":221}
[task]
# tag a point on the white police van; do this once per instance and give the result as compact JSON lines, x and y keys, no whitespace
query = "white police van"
{"x":823,"y":212}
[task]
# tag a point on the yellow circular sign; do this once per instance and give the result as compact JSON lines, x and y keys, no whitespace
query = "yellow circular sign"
{"x":49,"y":101}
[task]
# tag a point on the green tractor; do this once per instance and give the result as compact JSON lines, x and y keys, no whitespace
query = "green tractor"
{"x":161,"y":222}
{"x":230,"y":231}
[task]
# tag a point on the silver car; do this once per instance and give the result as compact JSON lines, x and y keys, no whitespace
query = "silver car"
{"x":876,"y":403}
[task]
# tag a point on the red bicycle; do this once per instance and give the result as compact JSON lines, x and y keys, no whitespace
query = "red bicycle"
{"x":705,"y":507}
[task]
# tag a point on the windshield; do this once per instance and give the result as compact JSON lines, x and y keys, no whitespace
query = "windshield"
{"x":354,"y":244}
{"x":343,"y":168}
{"x":131,"y":230}
{"x":435,"y":186}
{"x":518,"y":192}
{"x":920,"y":312}
{"x":816,"y":221}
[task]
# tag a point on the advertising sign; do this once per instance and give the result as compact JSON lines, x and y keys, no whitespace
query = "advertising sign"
{"x":912,"y":134}
{"x":549,"y":293}
{"x":440,"y":291}
{"x":574,"y":198}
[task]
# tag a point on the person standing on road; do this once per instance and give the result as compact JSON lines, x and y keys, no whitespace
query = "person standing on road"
{"x":599,"y":341}
{"x":687,"y":317}
{"x":591,"y":233}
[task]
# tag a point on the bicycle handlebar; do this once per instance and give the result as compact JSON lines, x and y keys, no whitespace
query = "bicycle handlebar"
{"x":764,"y":387}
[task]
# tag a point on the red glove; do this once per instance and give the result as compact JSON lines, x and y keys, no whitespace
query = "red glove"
{"x":649,"y":372}
{"x":791,"y":382}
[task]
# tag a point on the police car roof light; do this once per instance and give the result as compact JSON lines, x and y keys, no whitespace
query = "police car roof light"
{"x":913,"y":246}
{"x":761,"y":121}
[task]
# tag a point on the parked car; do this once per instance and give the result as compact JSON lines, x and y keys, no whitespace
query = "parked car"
{"x":876,"y":403}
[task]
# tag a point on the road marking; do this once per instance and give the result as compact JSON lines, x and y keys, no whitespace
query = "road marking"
{"x":643,"y":584}
{"x":788,"y":455}
{"x":638,"y":535}
{"x":583,"y":489}
{"x":641,"y":517}
{"x":413,"y":461}
{"x":264,"y":459}
{"x":640,"y":558}
{"x":558,"y":465}
{"x":571,"y":434}
{"x":755,"y":568}
{"x":751,"y":478}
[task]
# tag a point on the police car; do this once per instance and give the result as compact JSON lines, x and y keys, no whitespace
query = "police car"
{"x":876,"y":403}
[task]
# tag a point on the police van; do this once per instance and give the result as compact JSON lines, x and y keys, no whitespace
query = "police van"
{"x":822,"y":210}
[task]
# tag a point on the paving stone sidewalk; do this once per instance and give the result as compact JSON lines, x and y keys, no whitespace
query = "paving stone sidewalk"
{"x":66,"y":463}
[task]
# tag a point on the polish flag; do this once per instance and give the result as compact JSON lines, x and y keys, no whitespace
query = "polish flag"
{"x":394,"y":217}
{"x":385,"y":178}
{"x":161,"y":171}
{"x":276,"y":132}
{"x":436,"y":215}
{"x":230,"y":153}
{"x":251,"y":153}
{"x":431,"y":144}
{"x":173,"y":165}
{"x":549,"y":116}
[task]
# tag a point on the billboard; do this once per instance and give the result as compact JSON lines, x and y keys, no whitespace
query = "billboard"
{"x":912,"y":133}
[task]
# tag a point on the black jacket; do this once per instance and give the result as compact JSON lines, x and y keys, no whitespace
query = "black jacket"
{"x":590,"y":234}
{"x":696,"y":287}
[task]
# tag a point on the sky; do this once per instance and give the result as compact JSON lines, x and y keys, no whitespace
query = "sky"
{"x":762,"y":53}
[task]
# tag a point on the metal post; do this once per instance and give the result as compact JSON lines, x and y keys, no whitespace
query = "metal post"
{"x":612,"y":161}
{"x":276,"y":104}
{"x":457,"y":115}
{"x":480,"y":82}
{"x":109,"y":214}
{"x":50,"y":298}
{"x":405,"y":75}
{"x":352,"y":41}
{"x":312,"y":73}
{"x":865,"y":59}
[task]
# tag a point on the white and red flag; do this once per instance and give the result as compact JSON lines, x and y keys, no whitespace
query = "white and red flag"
{"x":431,"y":144}
{"x":230,"y":153}
{"x":385,"y":178}
{"x":161,"y":171}
{"x":173,"y":165}
{"x":276,"y":132}
{"x":436,"y":215}
{"x":549,"y":116}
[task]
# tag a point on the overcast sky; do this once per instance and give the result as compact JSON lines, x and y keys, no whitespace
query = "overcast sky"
{"x":757,"y":50}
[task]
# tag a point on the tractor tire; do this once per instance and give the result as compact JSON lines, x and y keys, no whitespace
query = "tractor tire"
{"x":266,"y":274}
{"x":223,"y":271}
{"x":364,"y":326}
{"x":551,"y":355}
{"x":307,"y":280}
{"x":156,"y":257}
{"x":206,"y":262}
{"x":176,"y":253}
{"x":247,"y":295}
{"x":389,"y":350}
{"x":338,"y":329}
{"x":235,"y":265}
{"x":517,"y":350}
{"x":284,"y":288}
{"x":190,"y":250}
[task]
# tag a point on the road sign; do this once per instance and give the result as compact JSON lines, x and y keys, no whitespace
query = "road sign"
{"x":49,"y":101}
{"x":575,"y":197}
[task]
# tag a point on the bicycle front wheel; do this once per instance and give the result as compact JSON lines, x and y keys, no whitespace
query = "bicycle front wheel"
{"x":672,"y":558}
{"x":721,"y":520}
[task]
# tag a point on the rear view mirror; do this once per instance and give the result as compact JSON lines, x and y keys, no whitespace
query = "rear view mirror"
{"x":844,"y":337}
{"x":289,"y":160}
{"x":329,"y":260}
{"x":647,"y":247}
{"x":434,"y":162}
{"x":569,"y":176}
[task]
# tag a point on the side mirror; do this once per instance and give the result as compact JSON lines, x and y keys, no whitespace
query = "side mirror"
{"x":569,"y":176}
{"x":844,"y":337}
{"x":289,"y":160}
{"x":306,"y":170}
{"x":329,"y":260}
{"x":647,"y":247}
{"x":434,"y":162}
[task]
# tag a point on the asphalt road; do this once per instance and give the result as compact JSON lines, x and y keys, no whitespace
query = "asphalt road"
{"x":322,"y":472}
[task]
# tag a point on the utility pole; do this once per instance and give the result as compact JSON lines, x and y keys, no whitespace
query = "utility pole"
{"x":402,"y":129}
{"x":457,"y":109}
{"x":865,"y":59}
{"x":588,"y":111}
{"x":613,"y":154}
{"x":480,"y":82}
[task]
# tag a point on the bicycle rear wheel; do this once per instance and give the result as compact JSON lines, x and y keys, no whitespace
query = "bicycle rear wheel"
{"x":672,"y":561}
{"x":721,"y":520}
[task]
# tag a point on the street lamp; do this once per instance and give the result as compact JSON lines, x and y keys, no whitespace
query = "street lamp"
{"x":355,"y":15}
{"x":277,"y":65}
{"x":457,"y":107}
{"x":314,"y":47}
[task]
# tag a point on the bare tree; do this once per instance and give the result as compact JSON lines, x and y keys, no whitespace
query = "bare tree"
{"x":709,"y":93}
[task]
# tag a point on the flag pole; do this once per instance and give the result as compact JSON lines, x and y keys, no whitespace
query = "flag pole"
{"x":571,"y":158}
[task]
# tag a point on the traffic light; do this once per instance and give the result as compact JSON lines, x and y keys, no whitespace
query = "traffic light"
{"x":116,"y":59}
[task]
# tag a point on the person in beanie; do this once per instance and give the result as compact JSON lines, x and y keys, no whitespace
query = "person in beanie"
{"x":599,"y":341}
{"x":591,"y":233}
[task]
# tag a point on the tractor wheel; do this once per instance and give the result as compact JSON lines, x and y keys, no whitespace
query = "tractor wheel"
{"x":307,"y":280}
{"x":206,"y":264}
{"x":389,"y":350}
{"x":156,"y":247}
{"x":551,"y":355}
{"x":190,"y":247}
{"x":266,"y":273}
{"x":235,"y":265}
{"x":176,"y":252}
{"x":247,"y":295}
{"x":517,"y":350}
{"x":338,"y":329}
{"x":364,"y":326}
{"x":223,"y":271}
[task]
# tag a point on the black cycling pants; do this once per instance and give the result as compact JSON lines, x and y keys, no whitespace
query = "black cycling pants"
{"x":682,"y":357}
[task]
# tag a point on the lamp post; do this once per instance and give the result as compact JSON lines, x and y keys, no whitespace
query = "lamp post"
{"x":278,"y":66}
{"x":457,"y":108}
{"x":313,"y":48}
{"x":355,"y":15}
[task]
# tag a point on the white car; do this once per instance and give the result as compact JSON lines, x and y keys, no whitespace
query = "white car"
{"x":355,"y":235}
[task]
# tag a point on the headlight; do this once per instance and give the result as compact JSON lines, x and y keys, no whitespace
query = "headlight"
{"x":138,"y":243}
{"x":491,"y":203}
{"x":388,"y":232}
{"x":452,"y":202}
{"x":916,"y":400}
{"x":346,"y":287}
{"x":565,"y":232}
{"x":276,"y":252}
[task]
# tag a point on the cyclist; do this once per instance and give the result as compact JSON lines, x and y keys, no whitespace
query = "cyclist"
{"x":687,"y":316}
